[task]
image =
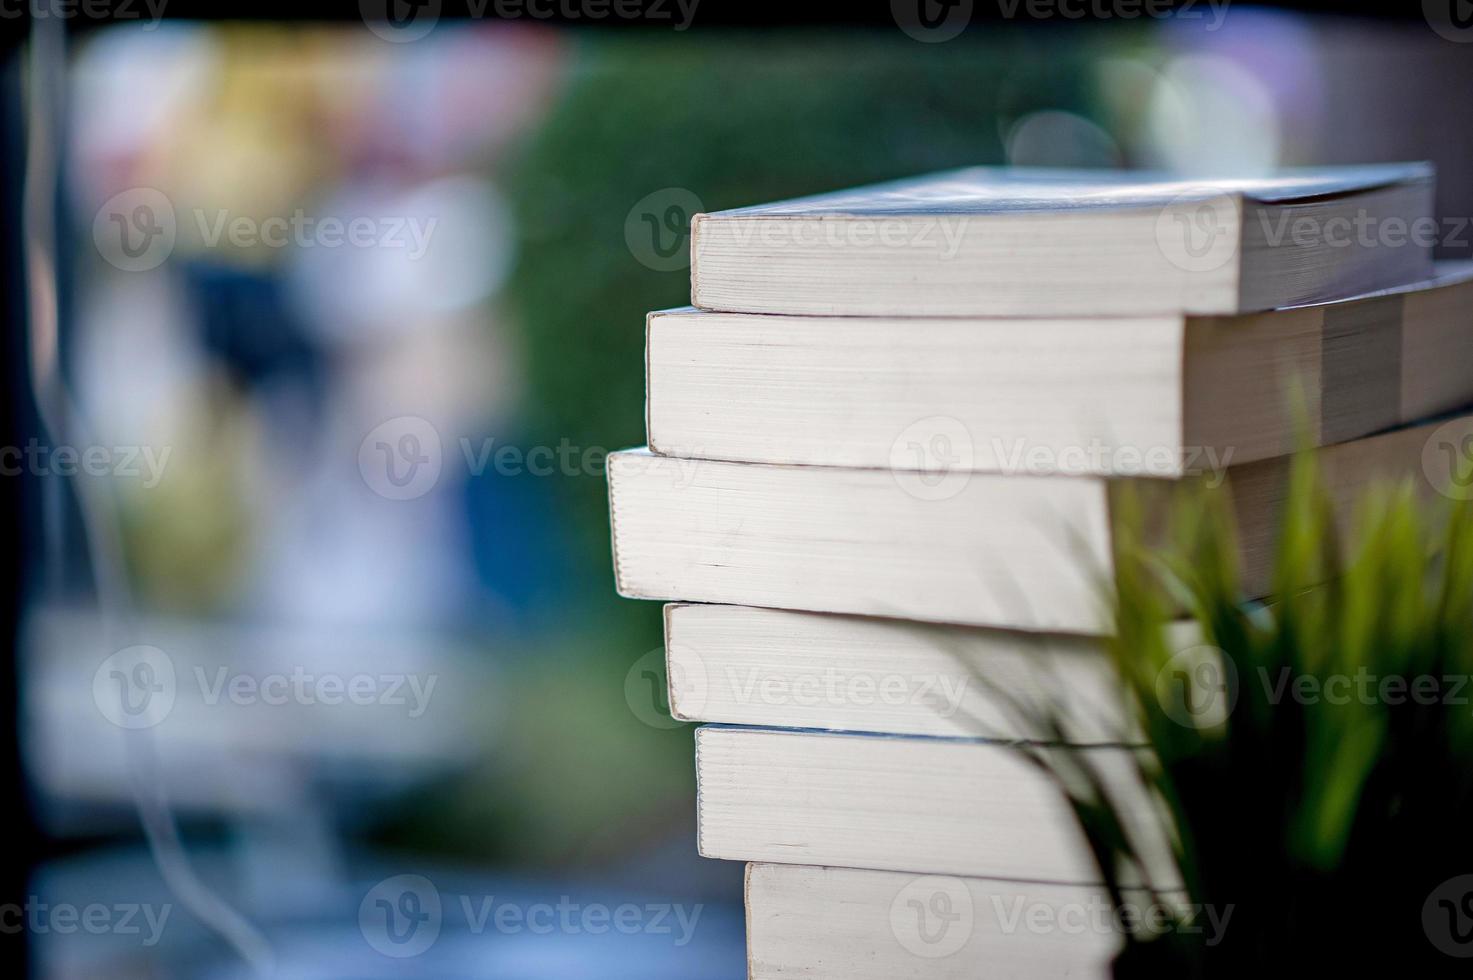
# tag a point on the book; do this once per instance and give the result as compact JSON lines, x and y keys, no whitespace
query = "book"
{"x":1160,"y":395}
{"x":1025,"y":242}
{"x":774,"y":668}
{"x":965,"y":807}
{"x":823,"y":923}
{"x":1018,"y":552}
{"x":890,"y":446}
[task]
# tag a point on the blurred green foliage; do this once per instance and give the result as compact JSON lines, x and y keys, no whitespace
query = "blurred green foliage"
{"x":737,"y":120}
{"x":1321,"y":811}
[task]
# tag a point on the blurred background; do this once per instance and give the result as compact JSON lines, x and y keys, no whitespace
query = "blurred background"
{"x":314,"y":615}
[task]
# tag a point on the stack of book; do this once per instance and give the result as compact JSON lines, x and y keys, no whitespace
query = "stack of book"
{"x":885,"y":450}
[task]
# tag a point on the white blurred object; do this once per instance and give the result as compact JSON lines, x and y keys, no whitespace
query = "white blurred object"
{"x":466,"y":90}
{"x":129,"y":88}
{"x":243,"y":754}
{"x":138,"y":363}
{"x":1209,"y":116}
{"x":1055,"y":138}
{"x":446,"y":247}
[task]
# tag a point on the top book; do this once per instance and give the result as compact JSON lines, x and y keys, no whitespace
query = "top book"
{"x":1025,"y":242}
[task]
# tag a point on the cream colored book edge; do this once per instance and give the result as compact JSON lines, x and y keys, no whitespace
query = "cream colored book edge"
{"x":1023,"y":552}
{"x":964,"y":244}
{"x":824,"y":923}
{"x":970,"y":808}
{"x":1157,"y":396}
{"x":738,"y":665}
